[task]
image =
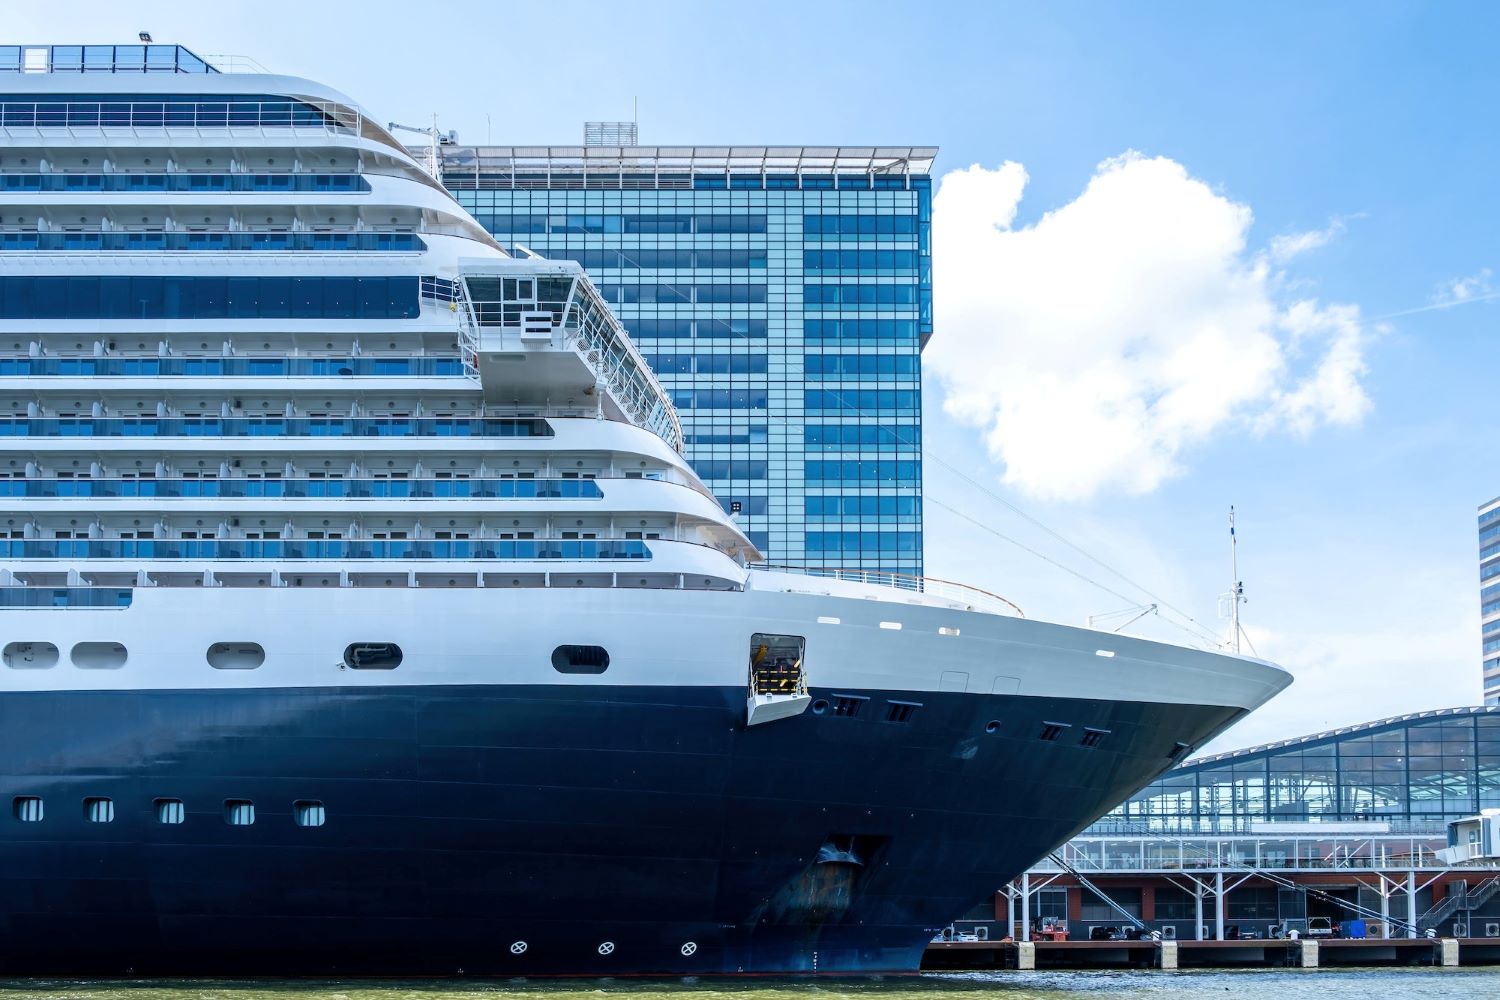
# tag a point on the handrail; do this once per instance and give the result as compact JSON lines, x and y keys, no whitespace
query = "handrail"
{"x":976,"y":598}
{"x":184,"y":182}
{"x":589,"y":327}
{"x":160,"y":240}
{"x":230,"y":112}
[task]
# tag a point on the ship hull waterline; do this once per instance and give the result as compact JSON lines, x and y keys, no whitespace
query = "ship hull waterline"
{"x":528,"y":830}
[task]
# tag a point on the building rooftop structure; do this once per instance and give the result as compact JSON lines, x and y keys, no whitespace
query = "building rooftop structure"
{"x":840,"y":168}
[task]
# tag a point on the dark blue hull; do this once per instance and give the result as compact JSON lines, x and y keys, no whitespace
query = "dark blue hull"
{"x":611,"y":830}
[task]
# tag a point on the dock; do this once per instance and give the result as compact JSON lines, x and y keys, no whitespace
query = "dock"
{"x":1275,"y":953}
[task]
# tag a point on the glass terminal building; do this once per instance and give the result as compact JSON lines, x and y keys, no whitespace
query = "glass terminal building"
{"x":782,"y":294}
{"x":1489,"y":597}
{"x":1414,"y":772}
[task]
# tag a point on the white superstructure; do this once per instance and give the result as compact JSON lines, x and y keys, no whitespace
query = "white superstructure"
{"x":354,"y":386}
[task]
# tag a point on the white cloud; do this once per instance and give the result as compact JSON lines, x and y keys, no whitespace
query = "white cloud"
{"x":1099,"y":343}
{"x":1461,"y":290}
{"x":1284,"y":248}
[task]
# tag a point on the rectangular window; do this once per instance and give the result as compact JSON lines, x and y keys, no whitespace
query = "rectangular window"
{"x":308,"y":812}
{"x":170,"y":811}
{"x":99,"y":810}
{"x":27,"y":808}
{"x":239,"y":812}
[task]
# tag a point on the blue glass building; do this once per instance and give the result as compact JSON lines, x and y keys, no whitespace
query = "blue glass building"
{"x":783,"y":294}
{"x":1489,"y":597}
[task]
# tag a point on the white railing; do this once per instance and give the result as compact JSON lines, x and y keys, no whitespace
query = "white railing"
{"x":590,"y":329}
{"x":603,"y":343}
{"x":970,"y":598}
{"x":186,"y":115}
{"x":1103,"y":855}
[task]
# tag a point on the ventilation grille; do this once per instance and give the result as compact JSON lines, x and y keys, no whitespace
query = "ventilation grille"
{"x":900,"y":711}
{"x":1052,"y":730}
{"x":1092,"y":737}
{"x":848,"y":705}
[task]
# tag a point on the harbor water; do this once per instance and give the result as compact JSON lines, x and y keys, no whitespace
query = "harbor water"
{"x":1277,"y":984}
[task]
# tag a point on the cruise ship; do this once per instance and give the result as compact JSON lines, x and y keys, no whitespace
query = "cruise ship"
{"x":360,"y":614}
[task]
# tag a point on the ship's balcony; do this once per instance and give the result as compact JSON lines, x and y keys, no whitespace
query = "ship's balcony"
{"x":479,"y":563}
{"x":251,"y":367}
{"x":304,"y":489}
{"x":542,"y":312}
{"x":236,"y":549}
{"x":218,"y":242}
{"x":184,"y":182}
{"x":274,"y":427}
{"x":147,"y":118}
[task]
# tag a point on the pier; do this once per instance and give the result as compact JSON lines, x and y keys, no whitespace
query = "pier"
{"x":1168,"y":955}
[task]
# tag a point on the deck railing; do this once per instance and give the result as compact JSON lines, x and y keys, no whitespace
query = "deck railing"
{"x":971,"y":598}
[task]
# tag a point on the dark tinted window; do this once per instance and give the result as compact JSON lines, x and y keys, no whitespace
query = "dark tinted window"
{"x":580,"y":659}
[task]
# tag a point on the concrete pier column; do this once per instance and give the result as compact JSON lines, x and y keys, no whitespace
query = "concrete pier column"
{"x":1026,"y":909}
{"x":1166,"y":955}
{"x":1026,"y":956}
{"x":1447,"y":953}
{"x":1411,"y":903}
{"x":1219,"y":906}
{"x":1305,"y":953}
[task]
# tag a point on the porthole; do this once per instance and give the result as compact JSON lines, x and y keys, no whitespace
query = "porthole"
{"x":99,"y":655}
{"x":30,"y":655}
{"x":819,"y":707}
{"x":372,"y":656}
{"x":580,"y":659}
{"x":236,"y":655}
{"x":308,"y":812}
{"x":992,"y":727}
{"x":239,"y":812}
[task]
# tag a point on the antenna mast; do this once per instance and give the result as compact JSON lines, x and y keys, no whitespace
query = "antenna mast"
{"x":1237,"y":588}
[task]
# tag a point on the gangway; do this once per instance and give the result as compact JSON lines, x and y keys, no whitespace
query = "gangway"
{"x":1412,"y":927}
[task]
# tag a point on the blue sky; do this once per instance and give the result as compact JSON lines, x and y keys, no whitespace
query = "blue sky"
{"x":1370,"y":125}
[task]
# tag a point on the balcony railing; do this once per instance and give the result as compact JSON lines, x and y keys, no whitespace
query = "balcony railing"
{"x":65,"y":597}
{"x":175,"y":242}
{"x":589,"y":327}
{"x":472,"y":427}
{"x":187,"y":115}
{"x":233,"y":549}
{"x":183,"y":183}
{"x":245,"y":366}
{"x":304,"y":489}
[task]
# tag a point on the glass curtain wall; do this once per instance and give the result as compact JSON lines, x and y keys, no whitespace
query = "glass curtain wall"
{"x":1425,"y":770}
{"x":784,"y":313}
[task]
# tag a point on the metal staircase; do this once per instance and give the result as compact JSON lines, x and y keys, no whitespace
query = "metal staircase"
{"x":1451,"y":904}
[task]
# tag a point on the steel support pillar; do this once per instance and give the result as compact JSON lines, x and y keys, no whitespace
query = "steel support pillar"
{"x":1026,"y":906}
{"x":1411,"y":903}
{"x":1219,"y":906}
